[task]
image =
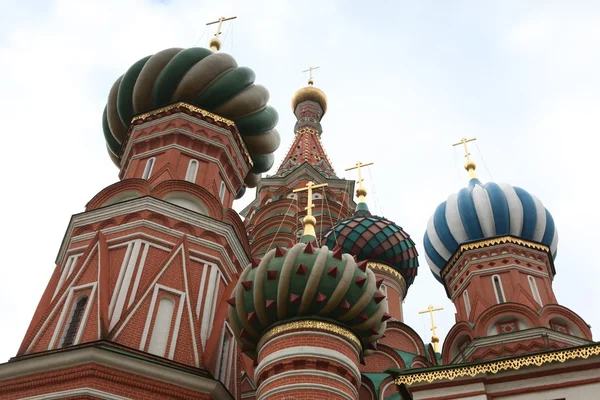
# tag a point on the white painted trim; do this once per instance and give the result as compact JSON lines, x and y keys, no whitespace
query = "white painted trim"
{"x":150,"y":317}
{"x":192,"y":170}
{"x":534,"y":290}
{"x":222,"y":191}
{"x":148,"y":168}
{"x":201,"y":290}
{"x":126,"y":239}
{"x":190,"y":313}
{"x":122,"y":290}
{"x":501,"y":289}
{"x":60,"y":328}
{"x":362,"y":384}
{"x":300,"y":386}
{"x":382,"y":391}
{"x":66,"y":270}
{"x":467,"y":302}
{"x":138,"y":276}
{"x":307,"y":351}
{"x":210,"y":304}
{"x":162,"y":207}
{"x":77,"y":392}
{"x":313,"y":333}
{"x":115,"y":293}
{"x":310,"y":372}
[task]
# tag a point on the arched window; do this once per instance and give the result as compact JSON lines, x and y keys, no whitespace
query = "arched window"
{"x":148,"y":169}
{"x":222,"y":191}
{"x":534,"y":290}
{"x":224,"y":363}
{"x":467,"y":303}
{"x":162,"y":327}
{"x":498,"y":289}
{"x":74,"y":321}
{"x":192,"y":171}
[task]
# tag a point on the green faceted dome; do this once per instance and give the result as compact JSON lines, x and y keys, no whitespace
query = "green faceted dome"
{"x":302,"y":282}
{"x":211,"y":81}
{"x":373,"y":238}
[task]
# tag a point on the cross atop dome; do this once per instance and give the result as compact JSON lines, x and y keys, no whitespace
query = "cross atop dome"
{"x":310,"y":71}
{"x":215,"y":43}
{"x":470,"y":165}
{"x":361,"y":192}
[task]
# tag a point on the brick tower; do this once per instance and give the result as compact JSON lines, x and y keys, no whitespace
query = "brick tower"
{"x":135,"y":307}
{"x":492,"y":246}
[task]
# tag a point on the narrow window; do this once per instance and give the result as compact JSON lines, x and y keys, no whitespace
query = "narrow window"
{"x":498,"y":289}
{"x":224,"y":363}
{"x":534,"y":290}
{"x":162,"y":327}
{"x":192,"y":171}
{"x":148,"y":169}
{"x":467,"y":303}
{"x":74,"y":322}
{"x":222,"y":191}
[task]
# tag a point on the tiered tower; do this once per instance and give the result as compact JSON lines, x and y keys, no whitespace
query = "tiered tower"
{"x":493,"y":246}
{"x":307,"y":315}
{"x":274,"y":218}
{"x":135,"y":306}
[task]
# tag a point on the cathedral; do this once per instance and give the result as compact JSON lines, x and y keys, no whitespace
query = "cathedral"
{"x":162,"y":291}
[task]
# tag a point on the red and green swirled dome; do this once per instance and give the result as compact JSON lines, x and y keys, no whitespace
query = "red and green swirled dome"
{"x":373,"y":238}
{"x":305,"y":281}
{"x":211,"y":81}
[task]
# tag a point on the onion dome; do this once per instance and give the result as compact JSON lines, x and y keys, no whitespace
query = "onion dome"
{"x":211,"y":81}
{"x":310,"y":93}
{"x":482,"y":211}
{"x":302,"y":282}
{"x":373,"y":238}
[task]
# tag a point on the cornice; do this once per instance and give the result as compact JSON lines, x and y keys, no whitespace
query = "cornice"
{"x":162,"y":207}
{"x":451,"y":372}
{"x":386,"y":268}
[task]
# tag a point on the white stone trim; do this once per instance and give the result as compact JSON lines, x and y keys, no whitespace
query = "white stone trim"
{"x":192,"y":170}
{"x":147,"y":173}
{"x":193,"y":120}
{"x":534,"y":290}
{"x":382,"y":391}
{"x":60,"y":328}
{"x":122,"y":288}
{"x":308,"y":351}
{"x":98,"y":356}
{"x":362,"y":384}
{"x":126,"y":239}
{"x":311,"y":372}
{"x":65,"y":272}
{"x":77,"y":392}
{"x":138,"y":275}
{"x":167,"y":209}
{"x":504,"y":300}
{"x":149,"y":317}
{"x":210,"y":304}
{"x":300,"y":386}
{"x":205,"y":268}
{"x":312,"y":333}
{"x":467,"y":302}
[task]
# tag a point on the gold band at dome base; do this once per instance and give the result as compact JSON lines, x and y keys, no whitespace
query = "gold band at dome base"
{"x":204,"y":113}
{"x":491,"y":242}
{"x":310,"y":324}
{"x":389,"y":270}
{"x":494,"y":367}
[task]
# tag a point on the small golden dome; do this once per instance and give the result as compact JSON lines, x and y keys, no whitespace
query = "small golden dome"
{"x":470,"y":165}
{"x":310,"y":93}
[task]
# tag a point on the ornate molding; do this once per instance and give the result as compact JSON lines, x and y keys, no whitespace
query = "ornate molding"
{"x":203,"y":113}
{"x":494,"y":367}
{"x":389,"y":270}
{"x":491,"y":242}
{"x":314,"y":325}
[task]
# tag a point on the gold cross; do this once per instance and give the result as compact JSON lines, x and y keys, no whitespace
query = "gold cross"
{"x":360,"y":191}
{"x":309,"y":187}
{"x":434,"y":337}
{"x":310,"y":70}
{"x":215,"y":43}
{"x":469,"y":164}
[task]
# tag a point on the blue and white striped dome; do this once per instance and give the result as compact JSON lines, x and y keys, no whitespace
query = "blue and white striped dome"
{"x":482,"y":211}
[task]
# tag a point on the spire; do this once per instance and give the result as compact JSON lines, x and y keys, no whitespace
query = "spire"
{"x":215,"y":43}
{"x":309,"y":221}
{"x":470,"y":165}
{"x":361,"y":192}
{"x":309,"y":105}
{"x":435,"y":339}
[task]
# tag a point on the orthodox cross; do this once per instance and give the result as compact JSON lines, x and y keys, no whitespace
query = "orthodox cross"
{"x":215,"y":44}
{"x":310,"y":70}
{"x":464,"y":142}
{"x":360,"y":191}
{"x":309,"y":188}
{"x":434,"y":337}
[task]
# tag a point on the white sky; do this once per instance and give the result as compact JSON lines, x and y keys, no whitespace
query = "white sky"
{"x":404,"y":79}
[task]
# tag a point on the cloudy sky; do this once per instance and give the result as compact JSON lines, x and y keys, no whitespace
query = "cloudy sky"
{"x":405,"y":79}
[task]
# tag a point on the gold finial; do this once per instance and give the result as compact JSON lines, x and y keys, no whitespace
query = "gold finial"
{"x":361,"y":192}
{"x":215,"y":43}
{"x":469,"y":164}
{"x":309,"y":221}
{"x":434,"y":337}
{"x":310,"y":70}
